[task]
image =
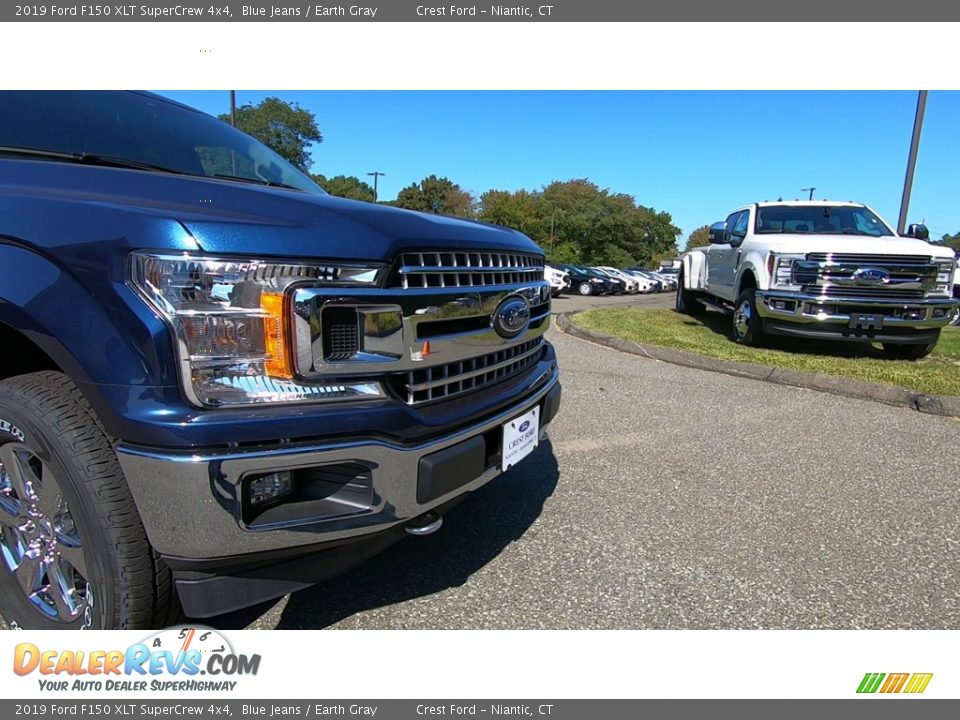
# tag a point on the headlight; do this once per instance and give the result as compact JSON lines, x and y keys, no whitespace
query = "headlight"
{"x":945,"y":269}
{"x":780,"y":270}
{"x":233,"y":326}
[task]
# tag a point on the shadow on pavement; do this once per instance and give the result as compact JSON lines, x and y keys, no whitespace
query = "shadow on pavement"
{"x":473,"y":534}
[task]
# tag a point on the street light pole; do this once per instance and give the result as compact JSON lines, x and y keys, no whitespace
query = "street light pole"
{"x":912,"y":161}
{"x":233,"y":108}
{"x":810,"y":190}
{"x":376,"y":176}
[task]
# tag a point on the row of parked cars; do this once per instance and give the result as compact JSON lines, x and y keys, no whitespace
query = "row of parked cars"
{"x":605,"y":280}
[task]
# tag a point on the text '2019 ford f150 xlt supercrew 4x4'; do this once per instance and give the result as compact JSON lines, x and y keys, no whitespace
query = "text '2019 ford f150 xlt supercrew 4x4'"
{"x":219,"y":384}
{"x":822,"y":270}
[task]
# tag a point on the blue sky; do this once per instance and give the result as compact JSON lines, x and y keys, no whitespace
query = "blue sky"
{"x":694,"y":154}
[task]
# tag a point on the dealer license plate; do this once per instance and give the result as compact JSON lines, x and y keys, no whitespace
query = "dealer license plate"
{"x":520,"y":438}
{"x":866,"y":321}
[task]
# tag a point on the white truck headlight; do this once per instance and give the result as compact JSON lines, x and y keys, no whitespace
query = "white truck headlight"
{"x":945,"y":270}
{"x":233,"y":325}
{"x":780,"y":270}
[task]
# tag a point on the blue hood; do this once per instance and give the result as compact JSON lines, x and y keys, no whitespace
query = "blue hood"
{"x":225,"y":217}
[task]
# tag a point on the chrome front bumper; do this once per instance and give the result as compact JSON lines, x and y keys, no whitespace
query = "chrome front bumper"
{"x":191,"y":503}
{"x":927,"y":314}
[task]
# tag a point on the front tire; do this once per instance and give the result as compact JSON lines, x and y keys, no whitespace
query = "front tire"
{"x":747,"y":324}
{"x":585,"y":289}
{"x":909,"y":352}
{"x":74,"y":551}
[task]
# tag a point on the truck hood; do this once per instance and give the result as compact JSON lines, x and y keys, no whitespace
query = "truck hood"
{"x":225,"y":217}
{"x":803,"y":243}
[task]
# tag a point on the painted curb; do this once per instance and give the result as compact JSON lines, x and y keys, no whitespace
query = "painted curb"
{"x":860,"y":389}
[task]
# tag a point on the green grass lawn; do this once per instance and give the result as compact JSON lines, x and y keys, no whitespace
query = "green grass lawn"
{"x":709,"y":335}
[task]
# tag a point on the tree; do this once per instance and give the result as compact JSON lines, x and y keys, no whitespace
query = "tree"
{"x":698,"y":238}
{"x":576,"y":221}
{"x":345,"y":186}
{"x":436,"y":195}
{"x":950,"y":241}
{"x":285,"y":128}
{"x":521,"y":210}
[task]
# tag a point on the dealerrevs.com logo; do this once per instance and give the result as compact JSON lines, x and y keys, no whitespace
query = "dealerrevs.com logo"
{"x":183,"y":653}
{"x":892,"y":683}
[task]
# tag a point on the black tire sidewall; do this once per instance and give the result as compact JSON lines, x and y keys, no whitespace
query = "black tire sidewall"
{"x":754,"y":334}
{"x":43,"y":443}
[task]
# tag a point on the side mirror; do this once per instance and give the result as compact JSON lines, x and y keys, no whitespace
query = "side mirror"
{"x":920,"y":232}
{"x":718,"y":233}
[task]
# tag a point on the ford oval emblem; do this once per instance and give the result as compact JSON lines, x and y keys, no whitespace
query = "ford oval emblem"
{"x":871,"y":276}
{"x":524,"y":425}
{"x":511,"y":317}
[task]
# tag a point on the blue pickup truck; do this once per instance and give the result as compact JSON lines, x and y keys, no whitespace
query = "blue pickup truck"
{"x":219,"y":384}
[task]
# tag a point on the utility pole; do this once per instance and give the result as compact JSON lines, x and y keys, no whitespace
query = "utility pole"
{"x":810,"y":190}
{"x":912,"y":161}
{"x":376,"y":176}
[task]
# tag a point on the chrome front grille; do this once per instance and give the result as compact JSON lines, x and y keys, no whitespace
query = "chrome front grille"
{"x":454,"y":378}
{"x":901,"y":277}
{"x":466,"y":269}
{"x":862,"y":259}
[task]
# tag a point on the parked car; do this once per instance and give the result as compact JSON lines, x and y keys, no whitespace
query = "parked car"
{"x":667,"y":277}
{"x":614,"y":286}
{"x":650,"y":283}
{"x":669,"y":281}
{"x":822,"y":270}
{"x":559,"y":279}
{"x":630,"y":283}
{"x":586,"y":283}
{"x":219,"y":383}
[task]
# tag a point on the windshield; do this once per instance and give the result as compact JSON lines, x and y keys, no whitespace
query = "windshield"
{"x":820,"y":220}
{"x":140,"y":129}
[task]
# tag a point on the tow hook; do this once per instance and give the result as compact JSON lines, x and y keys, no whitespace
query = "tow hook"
{"x":426,"y":524}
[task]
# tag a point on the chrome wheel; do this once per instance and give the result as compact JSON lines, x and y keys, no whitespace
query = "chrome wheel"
{"x":741,"y":319}
{"x":585,"y":288}
{"x":39,"y":539}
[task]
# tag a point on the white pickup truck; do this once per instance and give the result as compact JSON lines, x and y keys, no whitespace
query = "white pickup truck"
{"x":822,"y":270}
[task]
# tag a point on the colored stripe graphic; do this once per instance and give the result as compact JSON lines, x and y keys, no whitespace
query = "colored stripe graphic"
{"x":894,"y":683}
{"x":918,"y":683}
{"x":870,"y":682}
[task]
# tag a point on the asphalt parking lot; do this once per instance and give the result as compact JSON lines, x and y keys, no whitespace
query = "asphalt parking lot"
{"x":670,"y":497}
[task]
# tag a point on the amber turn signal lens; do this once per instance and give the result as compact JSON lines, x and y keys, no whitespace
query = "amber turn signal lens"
{"x":278,"y":356}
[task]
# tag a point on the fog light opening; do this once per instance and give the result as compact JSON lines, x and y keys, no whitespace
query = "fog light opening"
{"x":784,"y":305}
{"x":267,"y":488}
